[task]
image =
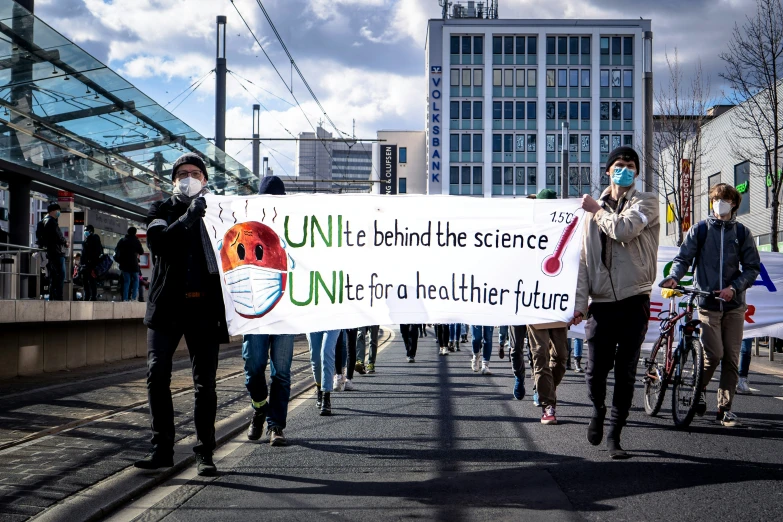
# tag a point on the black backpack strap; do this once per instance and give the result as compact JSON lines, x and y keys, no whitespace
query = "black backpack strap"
{"x":701,"y":238}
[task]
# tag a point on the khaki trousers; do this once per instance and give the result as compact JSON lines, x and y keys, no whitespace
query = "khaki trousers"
{"x":549,"y":347}
{"x":721,"y":335}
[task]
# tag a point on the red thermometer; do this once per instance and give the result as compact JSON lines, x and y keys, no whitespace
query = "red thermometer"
{"x":553,"y":264}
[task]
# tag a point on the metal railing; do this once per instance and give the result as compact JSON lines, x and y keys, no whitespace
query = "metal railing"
{"x":20,"y":271}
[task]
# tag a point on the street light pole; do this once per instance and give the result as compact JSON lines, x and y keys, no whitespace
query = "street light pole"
{"x":564,"y":163}
{"x":648,"y":113}
{"x":256,"y":140}
{"x":220,"y":87}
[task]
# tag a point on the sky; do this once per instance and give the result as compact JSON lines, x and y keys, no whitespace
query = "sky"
{"x":364,"y":59}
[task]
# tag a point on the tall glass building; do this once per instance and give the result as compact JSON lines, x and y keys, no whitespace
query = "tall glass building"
{"x":499,"y":91}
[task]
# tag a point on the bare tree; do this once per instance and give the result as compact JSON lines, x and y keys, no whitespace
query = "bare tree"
{"x":754,"y":65}
{"x":678,"y":142}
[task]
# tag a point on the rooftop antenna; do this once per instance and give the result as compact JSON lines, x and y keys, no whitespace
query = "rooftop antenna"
{"x":445,"y":4}
{"x":353,"y":132}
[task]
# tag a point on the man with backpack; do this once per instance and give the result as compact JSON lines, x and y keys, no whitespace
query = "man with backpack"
{"x":50,"y":238}
{"x":726,"y":263}
{"x":91,"y":256}
{"x":127,"y":255}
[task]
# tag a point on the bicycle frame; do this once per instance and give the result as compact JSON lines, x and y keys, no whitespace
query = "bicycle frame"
{"x":687,"y":330}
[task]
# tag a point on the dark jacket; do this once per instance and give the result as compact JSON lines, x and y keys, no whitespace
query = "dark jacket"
{"x":53,"y":239}
{"x":127,"y":253}
{"x":723,"y":262}
{"x":93,"y":250}
{"x":171,"y":245}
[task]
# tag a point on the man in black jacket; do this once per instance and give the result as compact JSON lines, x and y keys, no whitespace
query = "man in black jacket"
{"x":127,"y":255}
{"x":185,"y":299}
{"x":91,"y":256}
{"x":54,"y":242}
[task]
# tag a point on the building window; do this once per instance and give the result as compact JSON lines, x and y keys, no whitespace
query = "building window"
{"x":454,"y":175}
{"x":532,"y":45}
{"x":550,"y":110}
{"x":508,"y":45}
{"x":455,"y":77}
{"x":585,"y":110}
{"x":616,"y":78}
{"x":604,"y":110}
{"x":531,"y":142}
{"x":615,"y":141}
{"x":477,"y":176}
{"x":455,"y":45}
{"x":520,"y":142}
{"x":454,"y":110}
{"x":466,"y":110}
{"x":628,"y":110}
{"x":605,"y":46}
{"x":478,"y":143}
{"x":562,"y":78}
{"x":454,"y":144}
{"x":573,"y":110}
{"x":508,"y":77}
{"x":562,"y":45}
{"x":497,"y":143}
{"x":573,"y":143}
{"x":550,"y":77}
{"x":520,"y":110}
{"x":531,"y":110}
{"x":615,"y":45}
{"x":550,"y":45}
{"x":478,"y":45}
{"x":628,"y":46}
{"x":711,"y":182}
{"x":403,"y":152}
{"x":742,"y":184}
{"x":585,"y":77}
{"x":550,"y":142}
{"x":466,"y":142}
{"x":520,"y":45}
{"x":574,"y":78}
{"x":497,"y":176}
{"x":497,"y":45}
{"x":466,"y":77}
{"x":478,"y":77}
{"x":508,"y":143}
{"x":616,"y":111}
{"x":573,"y":45}
{"x":403,"y":188}
{"x":478,"y":110}
{"x":585,"y":45}
{"x":497,"y":110}
{"x":520,"y":77}
{"x":585,"y":143}
{"x":497,"y":77}
{"x":604,"y":78}
{"x":628,"y":140}
{"x":465,"y":175}
{"x":604,"y":143}
{"x":466,"y":45}
{"x":531,"y":77}
{"x":562,"y":110}
{"x":508,"y":110}
{"x":628,"y":78}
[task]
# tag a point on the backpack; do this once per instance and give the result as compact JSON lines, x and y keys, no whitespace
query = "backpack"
{"x":39,"y":232}
{"x":103,"y":266}
{"x":701,"y":238}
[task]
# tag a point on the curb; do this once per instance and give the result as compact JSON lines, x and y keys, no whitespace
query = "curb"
{"x":101,"y":499}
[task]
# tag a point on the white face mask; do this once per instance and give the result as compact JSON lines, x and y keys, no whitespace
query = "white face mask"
{"x":189,"y":187}
{"x":253,"y":289}
{"x":722,"y":207}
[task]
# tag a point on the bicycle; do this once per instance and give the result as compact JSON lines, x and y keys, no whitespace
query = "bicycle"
{"x":683,"y":366}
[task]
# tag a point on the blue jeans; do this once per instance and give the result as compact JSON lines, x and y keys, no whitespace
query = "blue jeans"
{"x":502,"y":335}
{"x":745,"y":355}
{"x":479,"y":334}
{"x":257,"y":350}
{"x":576,"y":345}
{"x":322,"y":345}
{"x":455,"y":330}
{"x":130,"y":285}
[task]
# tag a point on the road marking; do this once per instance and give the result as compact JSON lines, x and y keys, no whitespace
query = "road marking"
{"x":779,"y":398}
{"x":753,"y":389}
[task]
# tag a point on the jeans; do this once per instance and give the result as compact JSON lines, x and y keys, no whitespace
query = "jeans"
{"x":56,"y":268}
{"x":577,"y":347}
{"x":745,"y":356}
{"x":90,"y":285}
{"x":615,"y":332}
{"x":361,"y":344}
{"x":517,"y":353}
{"x":479,"y":334}
{"x":340,"y":353}
{"x":454,"y":332}
{"x":130,"y":285}
{"x":322,"y":345}
{"x":410,"y":336}
{"x":502,"y":335}
{"x":278,"y":350}
{"x":202,"y":340}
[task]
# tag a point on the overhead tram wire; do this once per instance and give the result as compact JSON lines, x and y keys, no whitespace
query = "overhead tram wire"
{"x":238,"y":78}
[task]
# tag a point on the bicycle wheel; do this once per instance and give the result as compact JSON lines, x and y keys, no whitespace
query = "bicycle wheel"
{"x":687,"y":383}
{"x":655,"y":378}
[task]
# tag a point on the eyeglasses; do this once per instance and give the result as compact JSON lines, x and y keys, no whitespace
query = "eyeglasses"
{"x":195,"y":174}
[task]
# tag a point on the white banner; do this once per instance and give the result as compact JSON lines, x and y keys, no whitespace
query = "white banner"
{"x":304,"y":263}
{"x":764,"y":316}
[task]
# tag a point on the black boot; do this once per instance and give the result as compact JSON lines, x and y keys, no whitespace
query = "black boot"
{"x":613,"y":443}
{"x":156,"y":459}
{"x":319,"y":398}
{"x":205,"y":466}
{"x":595,"y":430}
{"x":326,"y":406}
{"x":256,"y":427}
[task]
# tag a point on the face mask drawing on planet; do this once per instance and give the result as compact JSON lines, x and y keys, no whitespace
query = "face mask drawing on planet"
{"x":254,"y":290}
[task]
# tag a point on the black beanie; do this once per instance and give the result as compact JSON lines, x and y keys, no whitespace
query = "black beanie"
{"x":624,"y":153}
{"x":189,"y":158}
{"x":272,"y":185}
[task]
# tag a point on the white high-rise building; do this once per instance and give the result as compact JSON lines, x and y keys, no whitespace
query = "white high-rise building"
{"x":332,"y":166}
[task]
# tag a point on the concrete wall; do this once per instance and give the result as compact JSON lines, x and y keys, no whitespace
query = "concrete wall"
{"x":415,"y":169}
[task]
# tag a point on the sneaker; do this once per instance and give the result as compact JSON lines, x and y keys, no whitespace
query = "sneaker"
{"x":338,"y":385}
{"x":359,"y":368}
{"x":464,"y":338}
{"x":519,"y":389}
{"x":205,"y":466}
{"x":578,"y":366}
{"x":701,"y":407}
{"x":548,"y":416}
{"x":442,"y":351}
{"x":728,"y":419}
{"x":535,"y":398}
{"x":502,"y":351}
{"x":370,"y":368}
{"x":474,"y":362}
{"x":256,"y":427}
{"x":456,"y":346}
{"x":155,"y":460}
{"x":276,"y":437}
{"x":326,"y":405}
{"x":411,"y":360}
{"x":451,"y":346}
{"x":485,"y":368}
{"x":743,"y":388}
{"x":348,"y":385}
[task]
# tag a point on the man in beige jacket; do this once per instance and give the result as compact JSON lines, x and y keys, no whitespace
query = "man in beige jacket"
{"x":616,"y":272}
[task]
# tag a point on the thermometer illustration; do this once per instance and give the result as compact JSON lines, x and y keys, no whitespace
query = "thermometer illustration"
{"x":553,"y":264}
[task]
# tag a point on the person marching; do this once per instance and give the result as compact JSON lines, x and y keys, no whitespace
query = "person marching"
{"x":185,"y":299}
{"x":727,"y":264}
{"x":617,"y":269}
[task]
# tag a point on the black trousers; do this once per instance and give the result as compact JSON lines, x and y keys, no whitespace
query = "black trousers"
{"x":203,"y":348}
{"x":90,"y":285}
{"x":442,"y":333}
{"x":615,"y":333}
{"x":352,"y":335}
{"x":517,"y":355}
{"x":410,"y":336}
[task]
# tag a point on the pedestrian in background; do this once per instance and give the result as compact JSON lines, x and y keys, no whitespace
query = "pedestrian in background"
{"x":548,"y":344}
{"x":361,"y":349}
{"x":746,"y":352}
{"x":482,"y":348}
{"x":51,"y":238}
{"x":322,"y":347}
{"x":186,"y":299}
{"x":92,"y":251}
{"x":517,"y":356}
{"x":126,"y":254}
{"x":410,"y":336}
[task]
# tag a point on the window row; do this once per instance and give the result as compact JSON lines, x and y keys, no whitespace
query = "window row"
{"x":616,"y":76}
{"x":518,"y":181}
{"x":568,"y":110}
{"x":568,"y":45}
{"x":466,"y":142}
{"x":513,"y":143}
{"x":465,"y":175}
{"x":618,"y":44}
{"x":514,"y":45}
{"x":466,"y":110}
{"x":617,"y":110}
{"x":507,"y":77}
{"x":466,"y":76}
{"x":467,"y":45}
{"x":576,"y":142}
{"x":568,"y":77}
{"x":513,"y":110}
{"x":579,"y":179}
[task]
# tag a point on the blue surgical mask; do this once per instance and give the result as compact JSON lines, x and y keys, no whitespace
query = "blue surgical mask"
{"x":623,"y":177}
{"x":86,"y":234}
{"x":58,"y":214}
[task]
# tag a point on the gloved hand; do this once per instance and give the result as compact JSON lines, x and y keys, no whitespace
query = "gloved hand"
{"x":196,"y":211}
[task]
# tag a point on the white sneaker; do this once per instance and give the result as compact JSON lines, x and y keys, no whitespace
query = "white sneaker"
{"x":743,"y":387}
{"x":348,"y":385}
{"x":338,"y":385}
{"x":485,"y":368}
{"x":474,"y":364}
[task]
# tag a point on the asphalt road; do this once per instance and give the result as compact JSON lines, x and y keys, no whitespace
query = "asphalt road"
{"x":435,"y":441}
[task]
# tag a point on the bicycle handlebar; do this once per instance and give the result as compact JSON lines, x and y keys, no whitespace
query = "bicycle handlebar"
{"x":689,"y":291}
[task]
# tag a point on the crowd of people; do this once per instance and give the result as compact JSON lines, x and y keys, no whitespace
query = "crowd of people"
{"x":617,"y":271}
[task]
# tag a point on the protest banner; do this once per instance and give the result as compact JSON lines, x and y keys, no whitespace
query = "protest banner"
{"x":308,"y":262}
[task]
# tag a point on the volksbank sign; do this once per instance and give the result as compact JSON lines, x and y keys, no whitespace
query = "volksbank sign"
{"x":388,"y":169}
{"x":436,"y":78}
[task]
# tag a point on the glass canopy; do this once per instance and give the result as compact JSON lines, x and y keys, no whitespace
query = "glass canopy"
{"x":67,"y":115}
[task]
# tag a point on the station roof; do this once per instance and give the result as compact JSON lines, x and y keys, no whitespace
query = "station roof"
{"x":69,"y":117}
